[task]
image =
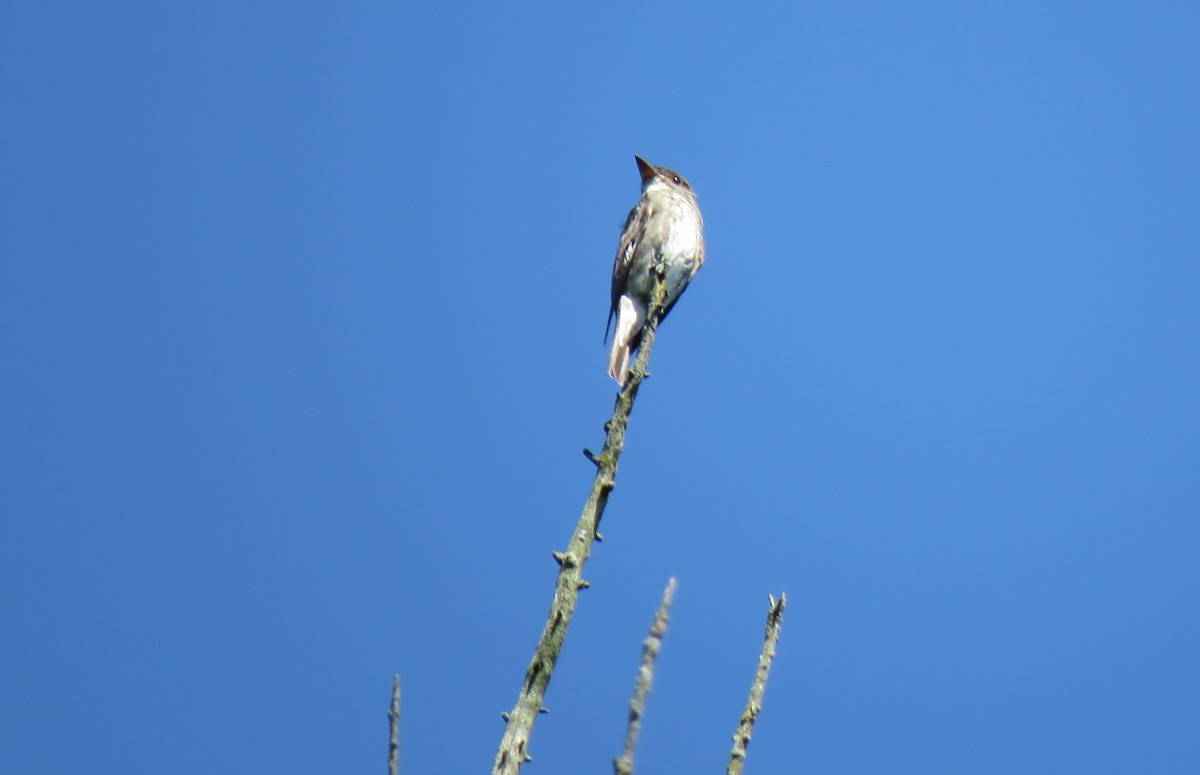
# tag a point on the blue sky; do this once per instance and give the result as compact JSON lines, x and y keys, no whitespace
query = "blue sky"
{"x":300,"y":323}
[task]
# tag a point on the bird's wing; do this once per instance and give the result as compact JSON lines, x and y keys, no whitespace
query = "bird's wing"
{"x":626,"y":248}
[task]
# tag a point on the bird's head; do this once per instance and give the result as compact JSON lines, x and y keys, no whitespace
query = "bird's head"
{"x":653,"y":177}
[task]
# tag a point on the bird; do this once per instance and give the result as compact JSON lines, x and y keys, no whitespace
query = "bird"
{"x":665,"y":227}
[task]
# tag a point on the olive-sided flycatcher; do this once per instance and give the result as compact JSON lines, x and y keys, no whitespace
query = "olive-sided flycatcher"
{"x":665,"y":227}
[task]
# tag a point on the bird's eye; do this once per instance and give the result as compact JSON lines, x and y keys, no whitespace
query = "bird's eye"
{"x":676,"y":179}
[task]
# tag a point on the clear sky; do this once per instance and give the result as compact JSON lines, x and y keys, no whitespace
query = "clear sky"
{"x":300,"y":327}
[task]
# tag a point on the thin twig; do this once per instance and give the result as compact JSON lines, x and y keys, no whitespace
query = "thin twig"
{"x":394,"y":729}
{"x":741,"y":738}
{"x":514,"y":745}
{"x":641,"y":689}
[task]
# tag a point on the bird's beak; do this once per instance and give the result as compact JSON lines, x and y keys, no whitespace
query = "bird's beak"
{"x":646,"y":168}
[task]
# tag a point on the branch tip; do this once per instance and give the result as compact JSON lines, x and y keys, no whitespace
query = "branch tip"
{"x":745,"y":727}
{"x":623,"y":765}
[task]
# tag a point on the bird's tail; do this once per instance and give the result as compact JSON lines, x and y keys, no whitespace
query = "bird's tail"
{"x":630,"y":319}
{"x":618,"y":362}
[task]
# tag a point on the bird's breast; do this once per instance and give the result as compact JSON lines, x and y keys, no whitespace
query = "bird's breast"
{"x":678,"y":226}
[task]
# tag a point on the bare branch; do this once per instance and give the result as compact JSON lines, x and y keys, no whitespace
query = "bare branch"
{"x":741,"y":738}
{"x":641,"y":690}
{"x":514,"y":745}
{"x":394,"y":729}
